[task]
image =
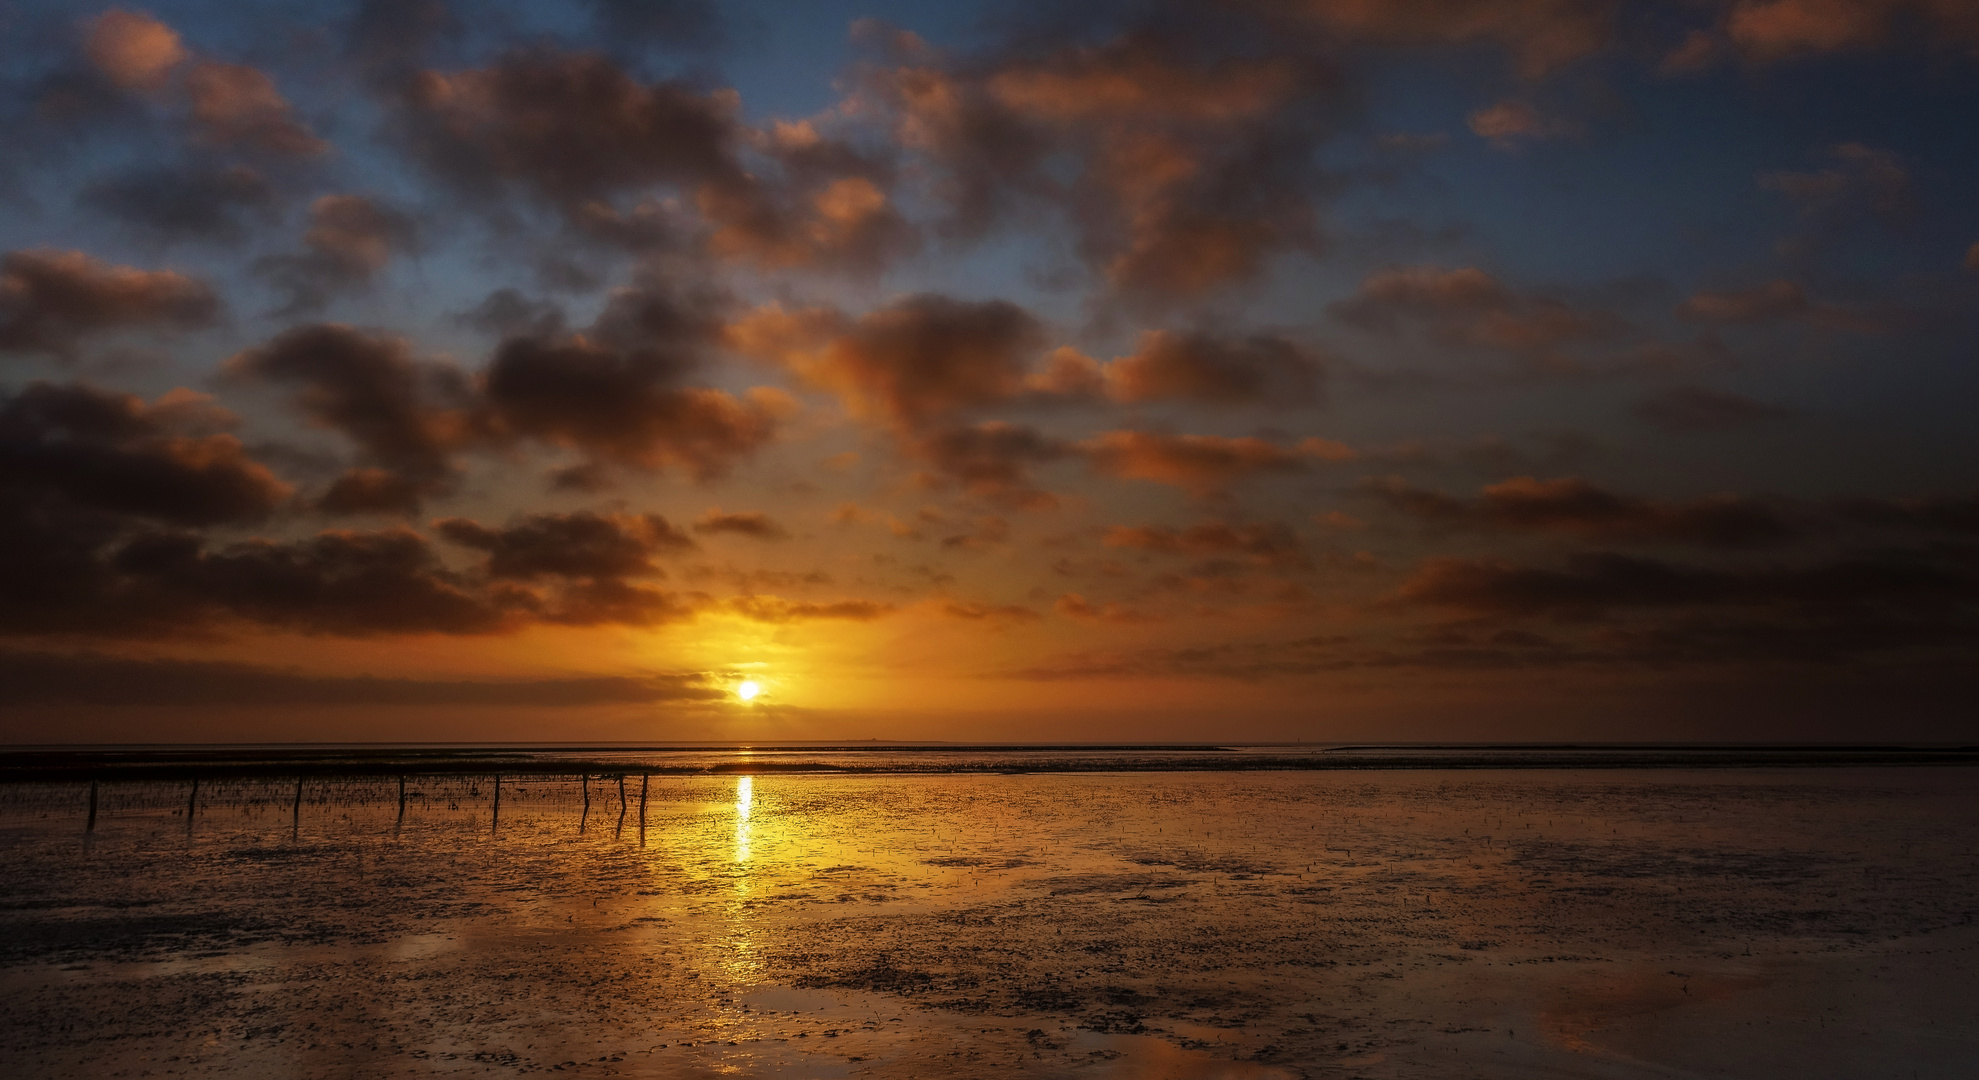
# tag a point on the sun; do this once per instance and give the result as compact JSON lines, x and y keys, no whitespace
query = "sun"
{"x":748,"y":690}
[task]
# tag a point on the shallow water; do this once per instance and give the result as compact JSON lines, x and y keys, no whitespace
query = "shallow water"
{"x":1803,"y":922}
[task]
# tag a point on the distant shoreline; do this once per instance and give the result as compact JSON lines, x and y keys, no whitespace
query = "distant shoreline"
{"x":53,"y":764}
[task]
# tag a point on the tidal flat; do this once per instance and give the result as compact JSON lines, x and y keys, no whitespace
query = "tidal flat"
{"x":1185,"y":925}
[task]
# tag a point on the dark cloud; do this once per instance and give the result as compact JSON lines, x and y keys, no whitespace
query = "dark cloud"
{"x":117,"y":453}
{"x":1075,"y":606}
{"x":1697,"y":408}
{"x":1268,"y":543}
{"x":1858,"y":181}
{"x":1598,"y":582}
{"x":1470,"y":307}
{"x":1574,"y":507}
{"x":392,"y":39}
{"x":1181,"y":168}
{"x":51,"y":300}
{"x":758,"y":526}
{"x":507,"y":313}
{"x":197,"y":202}
{"x":1203,"y":464}
{"x":1933,"y":513}
{"x":568,"y":128}
{"x":34,"y":678}
{"x":1540,"y":35}
{"x":775,"y":609}
{"x":828,"y":206}
{"x":1773,"y":300}
{"x":406,"y":416}
{"x":1217,"y":370}
{"x":993,"y":459}
{"x":579,"y":545}
{"x":990,"y":613}
{"x":619,"y":407}
{"x":612,"y":394}
{"x":911,"y":362}
{"x":343,"y":583}
{"x":349,"y":240}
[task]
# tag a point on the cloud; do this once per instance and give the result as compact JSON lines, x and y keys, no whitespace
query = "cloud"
{"x":990,"y":613}
{"x":1774,"y":29}
{"x":619,"y":407}
{"x":350,"y":239}
{"x":1075,"y":606}
{"x":756,"y":525}
{"x":1696,"y":408}
{"x":993,"y":459}
{"x":38,"y":678}
{"x":566,"y":127}
{"x":577,"y":545}
{"x":1597,"y":582}
{"x":1541,"y":35}
{"x":1773,"y":300}
{"x":193,"y":202}
{"x":134,"y":50}
{"x":1572,"y":506}
{"x":1469,"y":307}
{"x":1512,"y":120}
{"x":115,"y":452}
{"x":1933,"y":513}
{"x":50,"y":301}
{"x":236,"y":105}
{"x":1266,"y":543}
{"x":829,"y":206}
{"x":1202,"y":463}
{"x":406,"y":416}
{"x":1859,"y":181}
{"x":1217,"y":370}
{"x":1179,"y":171}
{"x":775,"y":609}
{"x":909,"y":363}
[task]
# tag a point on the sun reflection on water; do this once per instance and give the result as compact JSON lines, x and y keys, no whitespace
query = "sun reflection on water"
{"x":745,"y":796}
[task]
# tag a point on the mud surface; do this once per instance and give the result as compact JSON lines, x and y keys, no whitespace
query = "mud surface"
{"x":1805,"y":923}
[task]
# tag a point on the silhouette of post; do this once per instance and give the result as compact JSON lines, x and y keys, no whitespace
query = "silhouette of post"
{"x":401,"y":820}
{"x":495,"y":819}
{"x":91,"y":826}
{"x":192,"y":804}
{"x":585,"y":782}
{"x":295,"y":811}
{"x":644,"y":778}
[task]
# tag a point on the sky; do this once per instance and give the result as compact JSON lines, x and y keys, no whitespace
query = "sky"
{"x":1302,"y":370}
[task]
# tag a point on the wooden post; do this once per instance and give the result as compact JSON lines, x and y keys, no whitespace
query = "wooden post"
{"x":585,"y":780}
{"x":192,"y":803}
{"x":620,"y":827}
{"x":401,"y":820}
{"x":295,"y":811}
{"x":91,"y":826}
{"x":495,"y":819}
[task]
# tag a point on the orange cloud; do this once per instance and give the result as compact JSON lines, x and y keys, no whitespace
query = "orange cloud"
{"x":1202,"y":463}
{"x":236,"y":105}
{"x":133,"y":49}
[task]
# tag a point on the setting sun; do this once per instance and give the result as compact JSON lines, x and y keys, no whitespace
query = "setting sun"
{"x":748,"y":690}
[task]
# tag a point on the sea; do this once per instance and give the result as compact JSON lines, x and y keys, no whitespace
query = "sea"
{"x":1174,"y":912}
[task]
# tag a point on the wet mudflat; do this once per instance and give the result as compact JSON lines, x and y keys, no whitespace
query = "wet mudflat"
{"x":1602,"y":923}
